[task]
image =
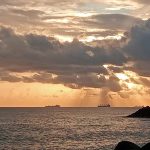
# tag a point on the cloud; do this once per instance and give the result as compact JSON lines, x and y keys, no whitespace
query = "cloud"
{"x":45,"y":56}
{"x":74,"y":64}
{"x":142,"y":1}
{"x":5,"y":76}
{"x":138,"y":48}
{"x":68,"y":19}
{"x":30,"y":14}
{"x":42,"y":52}
{"x":113,"y":21}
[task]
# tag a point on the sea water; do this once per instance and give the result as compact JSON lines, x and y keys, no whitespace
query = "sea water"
{"x":70,"y":128}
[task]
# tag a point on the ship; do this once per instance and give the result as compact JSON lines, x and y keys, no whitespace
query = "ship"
{"x":104,"y":105}
{"x":55,"y":106}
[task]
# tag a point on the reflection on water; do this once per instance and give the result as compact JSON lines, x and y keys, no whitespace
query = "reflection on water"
{"x":70,"y":128}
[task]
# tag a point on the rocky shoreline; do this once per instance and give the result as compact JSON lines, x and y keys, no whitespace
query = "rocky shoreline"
{"x":141,"y":113}
{"x":127,"y":145}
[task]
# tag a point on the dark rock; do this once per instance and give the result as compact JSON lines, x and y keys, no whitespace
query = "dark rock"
{"x":141,"y":113}
{"x":126,"y":145}
{"x":146,"y":147}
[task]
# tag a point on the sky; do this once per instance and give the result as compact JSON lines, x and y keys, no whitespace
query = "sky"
{"x":74,"y":53}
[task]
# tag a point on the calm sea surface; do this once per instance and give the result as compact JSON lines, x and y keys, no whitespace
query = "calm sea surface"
{"x":70,"y":128}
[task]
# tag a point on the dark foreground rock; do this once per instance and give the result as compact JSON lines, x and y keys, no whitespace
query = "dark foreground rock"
{"x":126,"y":145}
{"x":141,"y":113}
{"x":146,"y":147}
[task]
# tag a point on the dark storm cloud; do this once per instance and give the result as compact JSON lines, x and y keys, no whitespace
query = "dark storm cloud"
{"x":75,"y":64}
{"x":74,"y":81}
{"x":42,"y":52}
{"x":112,"y":21}
{"x":138,"y":48}
{"x":141,"y":67}
{"x":88,"y":80}
{"x":139,"y":45}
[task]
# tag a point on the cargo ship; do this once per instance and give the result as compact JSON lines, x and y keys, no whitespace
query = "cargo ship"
{"x":104,"y":105}
{"x":55,"y":106}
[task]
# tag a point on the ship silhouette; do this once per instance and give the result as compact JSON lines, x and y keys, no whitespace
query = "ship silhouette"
{"x":55,"y":106}
{"x":104,"y":105}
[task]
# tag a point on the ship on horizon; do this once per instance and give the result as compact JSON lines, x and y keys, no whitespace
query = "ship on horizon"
{"x":104,"y":105}
{"x":54,"y":106}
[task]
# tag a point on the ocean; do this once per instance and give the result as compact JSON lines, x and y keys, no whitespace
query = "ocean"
{"x":70,"y":128}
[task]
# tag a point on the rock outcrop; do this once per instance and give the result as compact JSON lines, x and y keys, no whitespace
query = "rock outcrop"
{"x":126,"y":145}
{"x":141,"y":113}
{"x":146,"y":147}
